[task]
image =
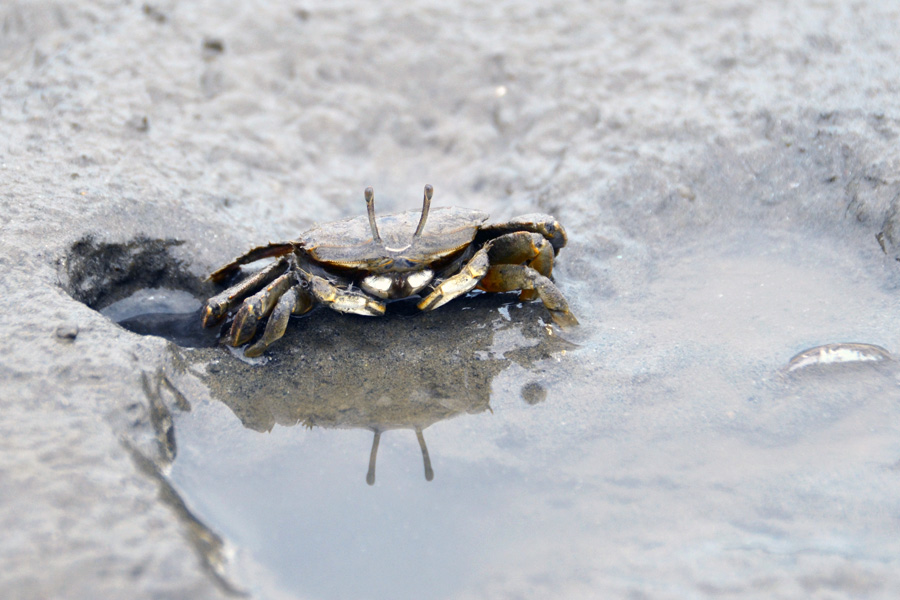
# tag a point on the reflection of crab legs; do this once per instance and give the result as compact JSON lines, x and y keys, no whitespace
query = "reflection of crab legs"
{"x":370,"y":474}
{"x":514,"y":261}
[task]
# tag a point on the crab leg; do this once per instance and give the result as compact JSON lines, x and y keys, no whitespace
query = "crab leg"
{"x":253,"y":255}
{"x":523,"y":247}
{"x":217,"y":306}
{"x":344,"y":301}
{"x":508,"y":278}
{"x":459,"y":284}
{"x":543,"y":264}
{"x":295,"y":301}
{"x":256,"y":307}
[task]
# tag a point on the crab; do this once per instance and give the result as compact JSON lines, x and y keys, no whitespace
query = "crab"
{"x":359,"y":264}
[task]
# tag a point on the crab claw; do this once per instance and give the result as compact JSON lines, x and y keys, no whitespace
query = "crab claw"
{"x":459,"y":284}
{"x":343,"y":300}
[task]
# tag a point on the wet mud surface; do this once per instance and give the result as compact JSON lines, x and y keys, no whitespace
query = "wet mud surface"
{"x":727,"y":176}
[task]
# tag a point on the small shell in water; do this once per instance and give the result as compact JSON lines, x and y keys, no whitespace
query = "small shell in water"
{"x":828,"y":354}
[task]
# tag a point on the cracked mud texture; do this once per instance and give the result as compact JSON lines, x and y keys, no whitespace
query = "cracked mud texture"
{"x":642,"y":126}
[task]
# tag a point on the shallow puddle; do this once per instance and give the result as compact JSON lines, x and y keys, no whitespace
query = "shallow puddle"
{"x":660,"y":450}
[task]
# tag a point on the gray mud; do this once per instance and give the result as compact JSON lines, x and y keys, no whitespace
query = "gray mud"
{"x":727,"y":175}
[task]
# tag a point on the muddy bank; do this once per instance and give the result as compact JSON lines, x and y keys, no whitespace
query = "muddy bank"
{"x":696,"y":154}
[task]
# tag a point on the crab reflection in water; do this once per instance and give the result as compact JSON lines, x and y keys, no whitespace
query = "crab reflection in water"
{"x":400,"y":372}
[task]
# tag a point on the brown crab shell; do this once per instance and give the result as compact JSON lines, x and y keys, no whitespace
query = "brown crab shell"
{"x":348,"y":244}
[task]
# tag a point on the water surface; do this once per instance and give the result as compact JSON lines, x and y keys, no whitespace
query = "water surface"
{"x":660,"y":449}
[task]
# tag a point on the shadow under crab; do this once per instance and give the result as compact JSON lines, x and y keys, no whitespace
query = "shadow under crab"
{"x":357,"y":264}
{"x":394,"y":373}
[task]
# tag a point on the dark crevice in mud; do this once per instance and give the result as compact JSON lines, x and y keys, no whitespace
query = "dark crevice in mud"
{"x":99,"y":273}
{"x":208,"y":544}
{"x":141,"y":286}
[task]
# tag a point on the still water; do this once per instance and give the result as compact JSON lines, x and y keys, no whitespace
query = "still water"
{"x":659,"y":450}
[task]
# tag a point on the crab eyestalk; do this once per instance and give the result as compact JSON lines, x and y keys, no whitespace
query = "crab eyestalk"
{"x":426,"y":205}
{"x":370,"y":207}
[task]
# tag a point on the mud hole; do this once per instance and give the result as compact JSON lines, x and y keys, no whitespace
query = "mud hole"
{"x":99,"y":273}
{"x":141,"y":286}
